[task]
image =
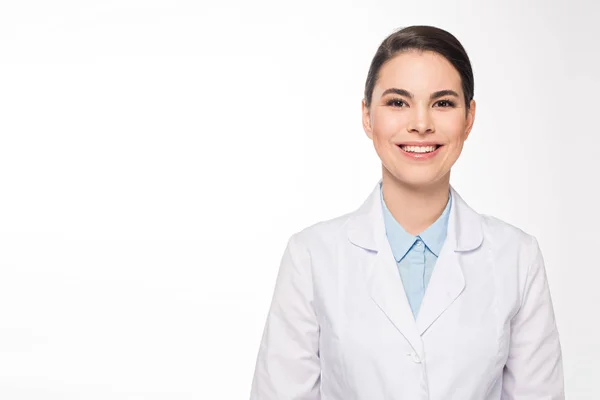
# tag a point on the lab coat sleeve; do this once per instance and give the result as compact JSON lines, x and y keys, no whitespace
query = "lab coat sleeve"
{"x":287,"y":366}
{"x":534,"y":368}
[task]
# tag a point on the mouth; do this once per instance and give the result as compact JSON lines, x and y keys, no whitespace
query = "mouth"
{"x":420,"y":151}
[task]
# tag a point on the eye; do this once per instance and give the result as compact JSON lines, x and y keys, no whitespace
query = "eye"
{"x":396,"y":103}
{"x":446,"y":103}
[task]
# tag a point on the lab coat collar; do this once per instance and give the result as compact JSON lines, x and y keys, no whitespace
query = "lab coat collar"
{"x":366,"y":229}
{"x":402,"y":241}
{"x":366,"y":226}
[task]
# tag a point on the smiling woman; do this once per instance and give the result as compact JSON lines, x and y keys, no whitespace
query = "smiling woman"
{"x":414,"y":295}
{"x":418,"y":109}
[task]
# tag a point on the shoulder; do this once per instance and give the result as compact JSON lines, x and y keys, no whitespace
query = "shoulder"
{"x":501,"y":228}
{"x":505,"y":238}
{"x":495,"y":226}
{"x":322,"y":233}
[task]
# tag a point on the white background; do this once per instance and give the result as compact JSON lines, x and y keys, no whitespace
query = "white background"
{"x":155,"y":156}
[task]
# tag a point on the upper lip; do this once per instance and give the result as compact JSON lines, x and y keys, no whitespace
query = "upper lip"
{"x":419,"y":144}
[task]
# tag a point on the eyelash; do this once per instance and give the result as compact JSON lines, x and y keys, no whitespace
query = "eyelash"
{"x":450,"y":103}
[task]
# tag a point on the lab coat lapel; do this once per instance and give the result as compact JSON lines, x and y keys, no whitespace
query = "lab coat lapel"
{"x":387,"y":291}
{"x":366,"y":229}
{"x":446,"y":284}
{"x":447,"y":280}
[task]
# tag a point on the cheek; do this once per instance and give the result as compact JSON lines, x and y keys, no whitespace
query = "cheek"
{"x":386,"y":125}
{"x":453,"y":129}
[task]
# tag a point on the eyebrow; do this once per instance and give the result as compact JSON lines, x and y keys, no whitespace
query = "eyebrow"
{"x":434,"y":95}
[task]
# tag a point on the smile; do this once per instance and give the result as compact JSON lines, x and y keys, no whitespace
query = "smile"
{"x":420,"y":152}
{"x":419,"y":149}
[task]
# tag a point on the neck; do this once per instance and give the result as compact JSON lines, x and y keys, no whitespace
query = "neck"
{"x":415,"y":208}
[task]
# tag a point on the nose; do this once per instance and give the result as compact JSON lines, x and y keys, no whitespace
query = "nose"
{"x":420,"y":122}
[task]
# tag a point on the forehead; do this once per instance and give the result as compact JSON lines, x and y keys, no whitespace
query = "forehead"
{"x":419,"y":71}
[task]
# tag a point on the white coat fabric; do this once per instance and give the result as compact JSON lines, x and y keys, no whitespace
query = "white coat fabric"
{"x":340,"y":326}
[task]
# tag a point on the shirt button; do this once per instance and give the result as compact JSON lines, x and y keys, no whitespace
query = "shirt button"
{"x":419,"y":243}
{"x":415,"y":358}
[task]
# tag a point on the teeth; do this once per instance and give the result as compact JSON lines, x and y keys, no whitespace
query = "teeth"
{"x":418,"y":149}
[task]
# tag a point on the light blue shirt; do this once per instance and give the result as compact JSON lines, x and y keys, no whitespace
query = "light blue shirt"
{"x":416,"y":255}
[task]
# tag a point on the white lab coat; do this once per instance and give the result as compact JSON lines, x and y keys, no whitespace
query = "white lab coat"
{"x":340,"y":326}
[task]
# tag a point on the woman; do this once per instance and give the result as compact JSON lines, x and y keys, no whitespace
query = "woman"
{"x":414,"y":295}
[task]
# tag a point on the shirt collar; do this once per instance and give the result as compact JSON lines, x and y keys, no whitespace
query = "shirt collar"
{"x":402,"y":241}
{"x":435,"y":235}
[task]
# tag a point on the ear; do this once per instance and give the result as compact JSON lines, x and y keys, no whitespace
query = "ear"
{"x":366,"y":120}
{"x":470,"y":118}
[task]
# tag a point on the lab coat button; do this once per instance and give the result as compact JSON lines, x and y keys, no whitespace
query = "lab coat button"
{"x":415,"y":358}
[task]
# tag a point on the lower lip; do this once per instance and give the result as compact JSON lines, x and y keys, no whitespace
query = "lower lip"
{"x":420,"y":156}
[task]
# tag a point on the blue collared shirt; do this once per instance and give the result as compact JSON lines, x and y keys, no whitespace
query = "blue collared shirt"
{"x":416,"y":255}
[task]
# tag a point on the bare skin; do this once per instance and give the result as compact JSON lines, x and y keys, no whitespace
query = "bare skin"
{"x":428,"y":107}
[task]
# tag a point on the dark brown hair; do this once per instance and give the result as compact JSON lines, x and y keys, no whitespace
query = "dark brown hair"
{"x":422,"y":38}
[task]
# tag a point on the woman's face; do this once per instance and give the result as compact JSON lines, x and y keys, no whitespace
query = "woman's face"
{"x":417,"y":119}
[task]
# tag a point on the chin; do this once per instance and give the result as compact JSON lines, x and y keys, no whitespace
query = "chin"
{"x":416,"y":180}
